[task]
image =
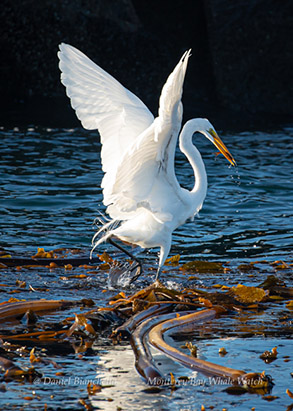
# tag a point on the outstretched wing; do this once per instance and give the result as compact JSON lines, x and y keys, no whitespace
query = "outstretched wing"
{"x":146,"y":176}
{"x":102,"y":103}
{"x":172,"y":91}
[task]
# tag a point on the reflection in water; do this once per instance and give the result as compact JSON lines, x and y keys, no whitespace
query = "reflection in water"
{"x":130,"y":392}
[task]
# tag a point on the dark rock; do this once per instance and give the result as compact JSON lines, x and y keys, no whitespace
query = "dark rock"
{"x":251,"y":43}
{"x":239,"y":61}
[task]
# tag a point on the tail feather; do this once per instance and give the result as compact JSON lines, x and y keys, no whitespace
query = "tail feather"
{"x":104,"y":232}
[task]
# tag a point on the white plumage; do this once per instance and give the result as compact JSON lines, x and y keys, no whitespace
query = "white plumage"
{"x":140,"y":188}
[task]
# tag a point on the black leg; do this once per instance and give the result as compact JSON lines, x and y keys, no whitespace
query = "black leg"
{"x":138,"y":264}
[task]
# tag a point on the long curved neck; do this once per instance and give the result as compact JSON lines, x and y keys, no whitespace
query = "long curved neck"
{"x":193,"y":155}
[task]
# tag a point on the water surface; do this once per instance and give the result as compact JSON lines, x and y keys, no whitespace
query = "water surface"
{"x":50,"y":194}
{"x":49,"y":197}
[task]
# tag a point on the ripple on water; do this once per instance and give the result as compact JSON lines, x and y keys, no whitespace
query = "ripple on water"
{"x":51,"y":177}
{"x":49,"y":197}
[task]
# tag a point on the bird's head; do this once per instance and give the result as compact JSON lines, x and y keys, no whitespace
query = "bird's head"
{"x":208,"y":130}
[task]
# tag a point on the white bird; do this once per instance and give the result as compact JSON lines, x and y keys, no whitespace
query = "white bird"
{"x":140,"y":189}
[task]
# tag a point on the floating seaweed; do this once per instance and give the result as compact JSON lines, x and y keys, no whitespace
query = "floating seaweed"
{"x":142,"y":317}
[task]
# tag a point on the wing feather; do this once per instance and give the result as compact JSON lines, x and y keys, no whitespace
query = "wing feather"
{"x":102,"y":103}
{"x":148,"y":165}
{"x":137,"y":151}
{"x":172,"y":91}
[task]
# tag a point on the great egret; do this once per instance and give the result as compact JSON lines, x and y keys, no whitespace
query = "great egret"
{"x":141,"y":192}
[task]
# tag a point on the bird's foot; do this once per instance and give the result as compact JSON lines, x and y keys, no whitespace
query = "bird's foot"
{"x":157,"y":283}
{"x":138,"y":271}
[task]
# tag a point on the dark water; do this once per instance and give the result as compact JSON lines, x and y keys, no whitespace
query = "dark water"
{"x":50,"y":196}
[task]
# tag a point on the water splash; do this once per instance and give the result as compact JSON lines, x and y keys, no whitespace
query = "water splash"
{"x":236,"y":176}
{"x":121,"y":276}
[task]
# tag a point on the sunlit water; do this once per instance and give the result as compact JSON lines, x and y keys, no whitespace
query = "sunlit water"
{"x":49,"y":197}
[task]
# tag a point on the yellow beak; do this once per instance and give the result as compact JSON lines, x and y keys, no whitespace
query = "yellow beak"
{"x":221,"y":146}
